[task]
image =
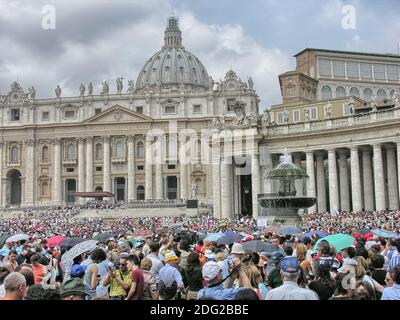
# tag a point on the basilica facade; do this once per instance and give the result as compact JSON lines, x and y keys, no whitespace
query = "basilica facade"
{"x":175,"y":134}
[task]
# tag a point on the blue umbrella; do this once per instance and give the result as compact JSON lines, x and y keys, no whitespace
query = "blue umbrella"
{"x":385,"y":234}
{"x":229,"y":238}
{"x":319,"y":233}
{"x":214,"y":236}
{"x":289,"y":230}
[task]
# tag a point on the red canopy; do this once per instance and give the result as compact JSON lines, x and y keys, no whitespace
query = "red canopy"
{"x":93,"y":194}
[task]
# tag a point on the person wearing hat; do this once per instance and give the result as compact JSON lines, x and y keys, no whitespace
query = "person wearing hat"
{"x":73,"y":289}
{"x":169,"y":273}
{"x":3,"y":253}
{"x":290,"y":290}
{"x":274,"y":275}
{"x":212,"y":273}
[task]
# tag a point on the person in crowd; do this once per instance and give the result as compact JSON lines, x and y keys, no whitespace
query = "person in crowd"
{"x":26,"y":251}
{"x":246,"y":295}
{"x":92,"y":276}
{"x":137,"y":283}
{"x":395,"y":258}
{"x":12,"y":264}
{"x":169,"y":273}
{"x":274,"y":276}
{"x":156,"y":263}
{"x":119,"y":281}
{"x":39,"y":270}
{"x":193,"y":276}
{"x":323,"y":285}
{"x":184,"y":248}
{"x":378,"y":273}
{"x":344,"y":282}
{"x":15,"y":286}
{"x":4,"y":272}
{"x":150,"y":285}
{"x":289,"y":290}
{"x":73,"y":289}
{"x":256,"y":280}
{"x":301,"y":255}
{"x":393,"y":292}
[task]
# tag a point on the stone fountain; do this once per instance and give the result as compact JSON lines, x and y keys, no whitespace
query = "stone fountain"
{"x":281,"y":209}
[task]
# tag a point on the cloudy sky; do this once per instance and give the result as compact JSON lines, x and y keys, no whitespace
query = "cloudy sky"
{"x":97,"y":40}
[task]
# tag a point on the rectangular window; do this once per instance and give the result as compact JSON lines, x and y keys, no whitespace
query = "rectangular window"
{"x":171,"y":167}
{"x":70,"y":169}
{"x":69,"y":114}
{"x":15,"y":115}
{"x":139,"y":109}
{"x":169,"y":110}
{"x":366,"y":70}
{"x":296,"y":116}
{"x":99,"y":169}
{"x":97,"y":111}
{"x":197,"y":109}
{"x":140,"y":168}
{"x":392,"y":72}
{"x":338,"y":69}
{"x":229,"y":104}
{"x":324,"y":67}
{"x":281,"y":117}
{"x":290,"y":91}
{"x":352,"y":69}
{"x":313,"y":113}
{"x":379,"y":71}
{"x":45,"y":116}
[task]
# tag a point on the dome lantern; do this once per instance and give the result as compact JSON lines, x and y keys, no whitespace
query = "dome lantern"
{"x":173,"y":35}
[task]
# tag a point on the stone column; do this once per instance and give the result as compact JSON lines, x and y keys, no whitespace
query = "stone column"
{"x":255,"y":183}
{"x":398,"y":166}
{"x":368,"y":181}
{"x":333,"y":181}
{"x":344,"y":181}
{"x":392,"y":178}
{"x":57,"y":186}
{"x":89,"y":164}
{"x":311,"y":177}
{"x":379,"y":178}
{"x":226,"y":199}
{"x":321,"y":182}
{"x":106,"y":165}
{"x":298,"y":182}
{"x":30,"y":169}
{"x":81,"y":166}
{"x":159,"y":177}
{"x":355,"y":179}
{"x":149,"y":169}
{"x":183,"y":168}
{"x":2,"y":204}
{"x":216,"y":175}
{"x":131,"y":168}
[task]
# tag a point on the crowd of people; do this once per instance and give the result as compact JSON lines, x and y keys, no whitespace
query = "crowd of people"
{"x":173,"y":258}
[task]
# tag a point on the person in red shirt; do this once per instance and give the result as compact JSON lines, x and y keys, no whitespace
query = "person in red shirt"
{"x":39,"y":270}
{"x":137,"y":286}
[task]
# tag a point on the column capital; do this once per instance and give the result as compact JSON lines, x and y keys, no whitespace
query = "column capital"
{"x":89,"y":139}
{"x":342,"y":152}
{"x":81,"y":140}
{"x":30,"y":142}
{"x":131,"y":138}
{"x":56,"y":141}
{"x":377,"y":145}
{"x":309,"y":152}
{"x":106,"y":139}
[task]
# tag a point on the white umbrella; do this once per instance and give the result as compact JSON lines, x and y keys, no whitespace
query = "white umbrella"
{"x":77,"y":250}
{"x":18,"y":237}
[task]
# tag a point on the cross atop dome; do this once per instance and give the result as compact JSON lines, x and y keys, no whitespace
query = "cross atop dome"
{"x":172,"y":34}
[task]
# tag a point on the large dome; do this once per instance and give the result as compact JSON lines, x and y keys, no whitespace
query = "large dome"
{"x":173,"y":65}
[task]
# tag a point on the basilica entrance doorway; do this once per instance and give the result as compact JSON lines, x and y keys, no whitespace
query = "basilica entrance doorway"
{"x":246,"y":195}
{"x":14,"y":188}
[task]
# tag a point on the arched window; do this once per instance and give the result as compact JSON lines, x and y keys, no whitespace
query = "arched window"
{"x":119,"y":150}
{"x":45,"y":153}
{"x":367,"y":94}
{"x":140,"y":193}
{"x":140,"y":150}
{"x":71,"y":152}
{"x":326,"y":92}
{"x":99,"y":151}
{"x":381,"y":94}
{"x":355,"y":92}
{"x":14,"y":156}
{"x":45,"y":189}
{"x":340,"y":92}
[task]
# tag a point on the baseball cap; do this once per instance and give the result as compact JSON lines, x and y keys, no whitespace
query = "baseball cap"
{"x":237,"y":248}
{"x":77,"y":270}
{"x":169,"y":256}
{"x":290,"y":264}
{"x":277,"y":256}
{"x":210,"y":270}
{"x":73,"y":286}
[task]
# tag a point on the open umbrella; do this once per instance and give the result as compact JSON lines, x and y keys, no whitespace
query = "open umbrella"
{"x":70,"y":242}
{"x":229,"y":238}
{"x":289,"y":230}
{"x":259,"y":246}
{"x":55,"y":241}
{"x":339,"y":241}
{"x":363,"y":231}
{"x":385,"y":234}
{"x":103,"y":237}
{"x":18,"y":237}
{"x":77,"y":250}
{"x":320,"y":234}
{"x":271,"y":229}
{"x":214,"y":236}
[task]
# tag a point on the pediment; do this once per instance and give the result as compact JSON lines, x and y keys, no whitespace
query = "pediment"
{"x":117,"y":114}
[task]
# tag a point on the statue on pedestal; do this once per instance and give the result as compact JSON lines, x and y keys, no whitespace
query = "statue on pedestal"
{"x":32,"y":93}
{"x":373,"y":103}
{"x":82,"y":90}
{"x":58,"y":91}
{"x":131,"y":86}
{"x":120,"y":85}
{"x":106,"y":88}
{"x":193,"y":190}
{"x":328,"y":110}
{"x":251,"y":83}
{"x":90,"y":89}
{"x":210,"y":83}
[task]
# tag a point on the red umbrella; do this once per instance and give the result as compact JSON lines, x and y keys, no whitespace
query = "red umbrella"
{"x":55,"y":241}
